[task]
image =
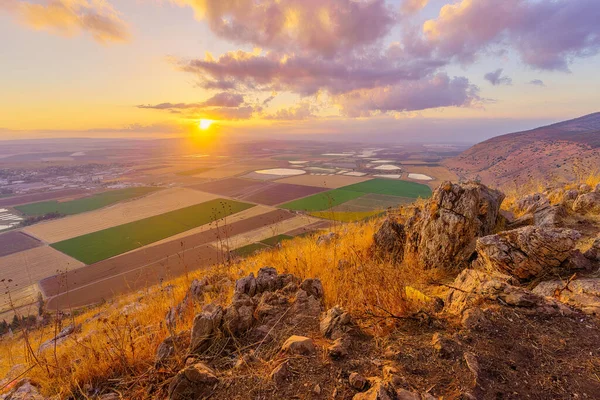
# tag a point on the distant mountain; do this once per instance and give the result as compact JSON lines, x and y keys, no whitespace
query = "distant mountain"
{"x":559,"y":152}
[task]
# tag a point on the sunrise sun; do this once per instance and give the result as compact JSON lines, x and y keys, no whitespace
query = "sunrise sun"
{"x":204,"y":124}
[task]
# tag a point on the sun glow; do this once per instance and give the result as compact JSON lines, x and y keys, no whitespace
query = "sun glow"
{"x":204,"y":124}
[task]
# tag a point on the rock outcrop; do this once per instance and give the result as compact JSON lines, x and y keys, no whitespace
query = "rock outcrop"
{"x":587,"y":203}
{"x":526,"y":253}
{"x":583,"y":294}
{"x":593,"y":253}
{"x":390,"y":240}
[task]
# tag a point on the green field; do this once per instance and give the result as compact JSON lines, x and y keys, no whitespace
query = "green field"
{"x":392,"y":188}
{"x":322,"y":201}
{"x":110,"y":242}
{"x":332,"y":198}
{"x":250,"y":249}
{"x":273,"y":241}
{"x":85,"y":204}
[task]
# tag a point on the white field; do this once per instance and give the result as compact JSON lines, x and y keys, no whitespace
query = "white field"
{"x":388,"y":167}
{"x":359,"y":174}
{"x":297,"y":162}
{"x":281,"y":172}
{"x":118,"y":214}
{"x":420,"y":177}
{"x":392,"y":176}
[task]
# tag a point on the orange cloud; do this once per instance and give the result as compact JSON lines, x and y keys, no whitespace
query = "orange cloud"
{"x":71,"y":17}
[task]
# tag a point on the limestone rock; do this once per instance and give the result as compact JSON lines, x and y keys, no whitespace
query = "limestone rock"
{"x":61,"y":337}
{"x":526,"y":252}
{"x":339,"y":348}
{"x":299,"y":345}
{"x":239,"y":315}
{"x":357,"y":381}
{"x":390,"y":239}
{"x":585,"y":188}
{"x":569,"y":197}
{"x":337,"y":323}
{"x":593,"y":253}
{"x":24,"y":390}
{"x":170,"y":346}
{"x":193,"y":382}
{"x":587,"y":203}
{"x":577,"y":261}
{"x":327,"y":238}
{"x":313,"y":287}
{"x":443,"y":235}
{"x":281,"y":373}
{"x":379,"y":391}
{"x":551,"y":216}
{"x":403,"y":394}
{"x":206,"y":326}
{"x":531,"y":203}
{"x":246,"y":285}
{"x":583,"y":294}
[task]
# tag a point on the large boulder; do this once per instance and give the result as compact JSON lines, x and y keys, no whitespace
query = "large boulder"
{"x":390,"y":239}
{"x":583,"y":294}
{"x":444,"y":234}
{"x":527,"y":252}
{"x":471,"y":287}
{"x":587,"y":203}
{"x":193,"y":382}
{"x":531,"y":203}
{"x":205,"y":327}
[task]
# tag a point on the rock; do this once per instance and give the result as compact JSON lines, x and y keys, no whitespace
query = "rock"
{"x":267,"y":280}
{"x":281,"y":373}
{"x":327,"y":238}
{"x":197,"y":288}
{"x":474,"y":319}
{"x":206,"y":325}
{"x":569,"y":196}
{"x":239,"y":315}
{"x":317,"y":389}
{"x":339,"y":349}
{"x":305,"y":307}
{"x":403,"y":394}
{"x":531,"y":203}
{"x":443,"y":235}
{"x":527,"y":252}
{"x":593,"y":253}
{"x":444,"y":346}
{"x":583,"y":294}
{"x":551,"y":216}
{"x":390,"y":239}
{"x":379,"y":391}
{"x":357,"y":381}
{"x":271,"y":308}
{"x":62,"y":336}
{"x":13,"y":373}
{"x":473,"y":286}
{"x":171,"y":346}
{"x":313,"y":287}
{"x":597,"y":188}
{"x":585,"y":188}
{"x":24,"y":390}
{"x":246,"y":285}
{"x":473,"y":366}
{"x":577,"y":261}
{"x":392,"y":375}
{"x":337,"y":323}
{"x":587,"y":203}
{"x":299,"y":345}
{"x":193,"y":382}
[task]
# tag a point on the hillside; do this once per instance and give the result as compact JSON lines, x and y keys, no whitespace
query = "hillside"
{"x":466,"y":295}
{"x":561,"y":152}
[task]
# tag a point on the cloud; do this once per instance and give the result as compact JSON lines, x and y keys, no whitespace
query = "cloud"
{"x":325,"y":27}
{"x":496,"y":78}
{"x":537,"y":82}
{"x":410,"y":7}
{"x":223,"y":99}
{"x":547,"y":35}
{"x":298,"y":112}
{"x":306,"y":75}
{"x":439,"y":91}
{"x":71,"y":17}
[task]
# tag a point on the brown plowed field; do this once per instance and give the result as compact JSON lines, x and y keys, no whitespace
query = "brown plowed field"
{"x":135,"y":279}
{"x":83,"y":277}
{"x":232,"y":187}
{"x":34,"y":197}
{"x":278,"y":193}
{"x":14,"y":242}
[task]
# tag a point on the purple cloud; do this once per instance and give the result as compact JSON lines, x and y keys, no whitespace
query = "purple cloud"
{"x":301,"y":111}
{"x":439,"y":91}
{"x":496,"y":78}
{"x":537,"y":82}
{"x":546,"y":34}
{"x":223,"y":99}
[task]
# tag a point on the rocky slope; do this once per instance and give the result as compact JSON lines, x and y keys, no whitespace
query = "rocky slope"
{"x":558,"y":152}
{"x":510,"y":310}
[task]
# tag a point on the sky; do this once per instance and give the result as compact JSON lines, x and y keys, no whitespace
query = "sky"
{"x":404,"y":70}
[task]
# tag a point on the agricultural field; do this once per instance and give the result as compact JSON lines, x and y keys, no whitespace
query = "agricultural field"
{"x":438,"y":173}
{"x":250,"y":249}
{"x":11,"y":201}
{"x":372,"y":201}
{"x":337,"y":197}
{"x":85,"y":204}
{"x":154,"y":204}
{"x":110,"y":242}
{"x":324,"y":181}
{"x":193,"y":172}
{"x":25,"y":269}
{"x":237,"y":168}
{"x":346,"y":216}
{"x":231,"y":187}
{"x":15,"y":241}
{"x":275,"y":240}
